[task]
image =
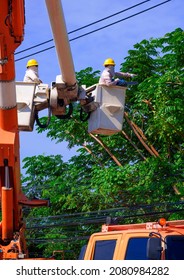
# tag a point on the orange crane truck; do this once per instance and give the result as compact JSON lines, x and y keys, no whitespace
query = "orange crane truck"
{"x":162,"y":240}
{"x":19,"y":106}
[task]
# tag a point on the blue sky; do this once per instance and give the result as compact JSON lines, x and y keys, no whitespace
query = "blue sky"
{"x":90,"y":50}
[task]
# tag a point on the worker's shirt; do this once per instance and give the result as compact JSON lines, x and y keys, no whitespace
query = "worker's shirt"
{"x":31,"y":75}
{"x":108,"y":76}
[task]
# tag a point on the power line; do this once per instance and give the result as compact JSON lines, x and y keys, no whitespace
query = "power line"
{"x":101,"y":220}
{"x":103,"y":213}
{"x":85,"y":26}
{"x":98,"y":29}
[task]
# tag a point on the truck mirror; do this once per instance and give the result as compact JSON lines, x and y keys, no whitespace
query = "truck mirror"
{"x":154,"y":248}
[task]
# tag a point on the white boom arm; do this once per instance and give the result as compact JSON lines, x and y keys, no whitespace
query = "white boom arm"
{"x":58,"y":25}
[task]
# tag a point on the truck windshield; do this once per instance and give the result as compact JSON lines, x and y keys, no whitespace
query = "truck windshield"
{"x":174,"y":247}
{"x":136,"y":248}
{"x":104,"y":249}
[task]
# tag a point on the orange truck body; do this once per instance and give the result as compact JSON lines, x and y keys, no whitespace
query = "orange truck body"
{"x":137,"y":242}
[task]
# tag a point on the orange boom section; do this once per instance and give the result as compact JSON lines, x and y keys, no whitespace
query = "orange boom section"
{"x":12,"y":240}
{"x":11,"y":35}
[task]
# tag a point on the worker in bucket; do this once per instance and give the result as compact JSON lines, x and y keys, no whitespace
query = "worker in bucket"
{"x":31,"y":74}
{"x":111,"y":78}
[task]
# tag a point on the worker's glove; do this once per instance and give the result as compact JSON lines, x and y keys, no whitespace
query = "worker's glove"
{"x":133,"y":75}
{"x":117,"y":80}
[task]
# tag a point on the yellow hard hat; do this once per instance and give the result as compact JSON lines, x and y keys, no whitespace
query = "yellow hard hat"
{"x":32,"y":62}
{"x":109,"y":61}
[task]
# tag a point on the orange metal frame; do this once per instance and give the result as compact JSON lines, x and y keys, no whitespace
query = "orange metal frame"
{"x":12,"y":241}
{"x":11,"y":36}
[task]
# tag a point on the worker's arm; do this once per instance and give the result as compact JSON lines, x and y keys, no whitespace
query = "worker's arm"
{"x":124,"y":75}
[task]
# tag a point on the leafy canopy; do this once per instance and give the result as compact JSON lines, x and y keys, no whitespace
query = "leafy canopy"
{"x":141,"y":165}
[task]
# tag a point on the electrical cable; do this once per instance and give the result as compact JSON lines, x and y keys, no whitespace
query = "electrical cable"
{"x":95,"y":213}
{"x":98,"y":29}
{"x":85,"y":26}
{"x":99,"y":217}
{"x":80,"y":232}
{"x":76,"y":238}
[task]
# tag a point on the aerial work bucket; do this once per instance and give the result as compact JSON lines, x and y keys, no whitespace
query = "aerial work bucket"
{"x":25,"y":96}
{"x":107,"y":119}
{"x":30,"y":97}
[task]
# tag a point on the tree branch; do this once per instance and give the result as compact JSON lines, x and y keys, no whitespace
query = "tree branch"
{"x":106,"y":149}
{"x":128,"y":138}
{"x":133,"y":126}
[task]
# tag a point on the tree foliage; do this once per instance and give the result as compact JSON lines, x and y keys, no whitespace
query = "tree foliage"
{"x":141,"y":165}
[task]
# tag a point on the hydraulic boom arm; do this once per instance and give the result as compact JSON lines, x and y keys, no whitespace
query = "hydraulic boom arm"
{"x":11,"y":36}
{"x":12,"y":242}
